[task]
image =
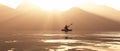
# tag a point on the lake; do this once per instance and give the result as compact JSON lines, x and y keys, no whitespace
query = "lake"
{"x":41,"y":41}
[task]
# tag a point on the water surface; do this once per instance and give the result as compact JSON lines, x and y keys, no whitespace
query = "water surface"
{"x":98,"y":41}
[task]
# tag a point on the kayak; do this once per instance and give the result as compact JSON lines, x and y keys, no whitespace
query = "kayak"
{"x":66,"y":30}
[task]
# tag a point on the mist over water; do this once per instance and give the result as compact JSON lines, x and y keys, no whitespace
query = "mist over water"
{"x":60,"y":41}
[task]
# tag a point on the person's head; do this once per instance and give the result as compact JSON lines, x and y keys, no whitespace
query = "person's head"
{"x":65,"y":25}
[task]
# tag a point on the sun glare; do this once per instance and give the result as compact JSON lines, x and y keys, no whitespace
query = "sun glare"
{"x":61,"y":5}
{"x":12,"y":4}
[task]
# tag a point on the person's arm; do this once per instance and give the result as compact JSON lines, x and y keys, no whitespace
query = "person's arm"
{"x":70,"y":24}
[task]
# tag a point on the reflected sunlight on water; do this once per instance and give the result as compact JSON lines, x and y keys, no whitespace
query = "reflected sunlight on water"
{"x":61,"y":42}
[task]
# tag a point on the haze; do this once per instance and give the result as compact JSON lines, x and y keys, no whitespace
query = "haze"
{"x":53,"y":15}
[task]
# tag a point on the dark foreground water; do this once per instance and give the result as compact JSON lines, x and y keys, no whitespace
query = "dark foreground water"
{"x":101,"y":41}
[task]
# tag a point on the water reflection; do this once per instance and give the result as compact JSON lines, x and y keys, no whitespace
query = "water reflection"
{"x":11,"y":41}
{"x":59,"y":42}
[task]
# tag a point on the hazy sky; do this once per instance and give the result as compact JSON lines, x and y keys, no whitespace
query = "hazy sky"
{"x":65,"y":3}
{"x":111,"y":11}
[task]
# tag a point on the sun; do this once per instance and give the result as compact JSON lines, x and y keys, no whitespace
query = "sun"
{"x":61,"y":5}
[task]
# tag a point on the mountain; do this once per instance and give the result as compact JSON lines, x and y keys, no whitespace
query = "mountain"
{"x":88,"y":21}
{"x":102,"y":10}
{"x":31,"y":17}
{"x":6,"y":13}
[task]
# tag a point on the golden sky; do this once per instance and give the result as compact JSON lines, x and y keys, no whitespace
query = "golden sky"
{"x":62,"y":4}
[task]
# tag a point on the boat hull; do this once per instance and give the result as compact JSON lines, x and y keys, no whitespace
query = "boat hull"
{"x":66,"y":30}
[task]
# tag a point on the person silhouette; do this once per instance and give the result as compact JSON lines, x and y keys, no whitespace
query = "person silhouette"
{"x":66,"y":27}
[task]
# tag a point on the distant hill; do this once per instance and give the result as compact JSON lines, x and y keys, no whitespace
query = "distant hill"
{"x":103,"y":10}
{"x":31,"y":17}
{"x":6,"y":13}
{"x":88,"y":21}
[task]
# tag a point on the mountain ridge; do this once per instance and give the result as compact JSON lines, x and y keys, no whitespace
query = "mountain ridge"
{"x":37,"y":19}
